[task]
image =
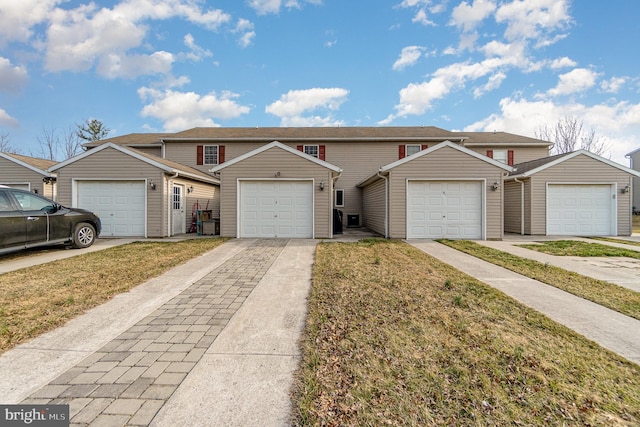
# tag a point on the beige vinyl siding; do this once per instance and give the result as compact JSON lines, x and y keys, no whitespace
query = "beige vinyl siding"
{"x":110,"y":164}
{"x":374,"y":205}
{"x":520,"y":154}
{"x":579,"y":170}
{"x":204,"y":197}
{"x":266,"y":165}
{"x":154,"y":151}
{"x":443,"y":164}
{"x":13,"y":173}
{"x":186,"y":153}
{"x":513,"y":196}
{"x":635,"y":165}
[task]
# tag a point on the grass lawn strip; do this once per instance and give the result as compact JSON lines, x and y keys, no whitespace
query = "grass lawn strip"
{"x":396,"y":337}
{"x":613,"y":240}
{"x":612,"y":296}
{"x":38,"y":299}
{"x":581,"y":249}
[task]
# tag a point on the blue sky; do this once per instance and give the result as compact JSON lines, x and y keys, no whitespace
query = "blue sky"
{"x":170,"y":65}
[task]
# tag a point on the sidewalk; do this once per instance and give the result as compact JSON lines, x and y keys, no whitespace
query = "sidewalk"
{"x":610,"y":329}
{"x":226,"y":321}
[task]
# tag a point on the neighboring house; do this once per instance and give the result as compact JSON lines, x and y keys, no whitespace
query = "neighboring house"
{"x":28,"y":173}
{"x":634,"y":160}
{"x":135,"y":194}
{"x":389,"y":179}
{"x":578,"y":194}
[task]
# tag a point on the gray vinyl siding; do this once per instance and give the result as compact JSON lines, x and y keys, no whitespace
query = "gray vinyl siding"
{"x":513,"y":193}
{"x":203,"y":197}
{"x":110,"y":164}
{"x":520,"y":154}
{"x":154,"y":151}
{"x":635,"y":165}
{"x":186,"y":153}
{"x":579,"y":170}
{"x":266,"y":165}
{"x":443,"y":164}
{"x":13,"y":173}
{"x":373,"y":200}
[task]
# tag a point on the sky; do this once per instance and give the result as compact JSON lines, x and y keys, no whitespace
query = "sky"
{"x":169,"y":65}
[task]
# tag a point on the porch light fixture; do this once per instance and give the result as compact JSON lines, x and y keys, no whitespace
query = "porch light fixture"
{"x":321,"y":185}
{"x":278,"y":174}
{"x":152,"y":185}
{"x":495,"y":186}
{"x":190,"y":189}
{"x":626,"y":189}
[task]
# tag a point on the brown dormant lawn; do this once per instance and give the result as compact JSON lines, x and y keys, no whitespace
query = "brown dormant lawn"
{"x":396,"y":337}
{"x":40,"y":298}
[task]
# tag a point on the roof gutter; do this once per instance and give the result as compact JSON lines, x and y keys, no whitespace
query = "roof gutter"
{"x":386,"y":202}
{"x":291,"y":138}
{"x":521,"y":205}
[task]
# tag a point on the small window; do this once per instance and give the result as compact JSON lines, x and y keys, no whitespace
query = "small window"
{"x":339,"y":198}
{"x":500,"y":156}
{"x":31,"y":202}
{"x":412,"y":149}
{"x":312,"y":150}
{"x":210,"y":154}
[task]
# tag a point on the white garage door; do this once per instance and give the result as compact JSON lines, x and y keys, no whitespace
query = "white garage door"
{"x":444,"y":209}
{"x":20,"y":186}
{"x":276,"y":209}
{"x":119,"y":204}
{"x":580,"y":209}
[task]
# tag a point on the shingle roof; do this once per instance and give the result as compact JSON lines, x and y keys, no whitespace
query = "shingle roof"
{"x":493,"y":138}
{"x":520,"y":168}
{"x":42,"y":164}
{"x":132,"y":139}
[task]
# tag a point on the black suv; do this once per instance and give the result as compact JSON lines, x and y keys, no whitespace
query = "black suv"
{"x":28,"y":220}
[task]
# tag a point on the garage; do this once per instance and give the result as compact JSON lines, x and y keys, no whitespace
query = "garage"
{"x":581,"y":209}
{"x":119,"y":204}
{"x":444,"y":209}
{"x":276,"y":208}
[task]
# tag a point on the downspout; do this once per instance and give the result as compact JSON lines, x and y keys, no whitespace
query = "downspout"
{"x":169,"y":204}
{"x":386,"y":204}
{"x":331,"y":205}
{"x":521,"y":205}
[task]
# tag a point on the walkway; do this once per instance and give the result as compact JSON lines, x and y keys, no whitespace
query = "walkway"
{"x":188,"y":352}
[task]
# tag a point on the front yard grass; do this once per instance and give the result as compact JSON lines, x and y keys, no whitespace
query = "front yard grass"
{"x":607,"y":294}
{"x":396,"y":337}
{"x":40,"y":298}
{"x":581,"y":249}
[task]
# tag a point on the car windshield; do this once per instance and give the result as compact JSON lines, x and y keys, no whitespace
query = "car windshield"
{"x":31,"y":202}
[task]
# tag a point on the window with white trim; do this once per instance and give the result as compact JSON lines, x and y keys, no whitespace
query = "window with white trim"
{"x":412,"y":149}
{"x":210,"y":154}
{"x":339,"y":202}
{"x":312,"y":150}
{"x":500,"y":156}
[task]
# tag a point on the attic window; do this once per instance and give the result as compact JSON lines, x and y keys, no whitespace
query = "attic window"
{"x":312,"y":150}
{"x":412,"y":149}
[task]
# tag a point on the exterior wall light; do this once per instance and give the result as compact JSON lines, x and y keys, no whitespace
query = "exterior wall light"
{"x":321,"y":185}
{"x":495,"y":186}
{"x":190,"y":189}
{"x":152,"y":185}
{"x":626,"y":189}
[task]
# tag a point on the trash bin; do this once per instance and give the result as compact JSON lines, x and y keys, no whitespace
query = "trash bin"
{"x":337,"y":221}
{"x":353,"y":220}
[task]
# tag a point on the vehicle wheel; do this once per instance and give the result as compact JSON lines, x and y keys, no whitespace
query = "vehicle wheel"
{"x":84,"y":235}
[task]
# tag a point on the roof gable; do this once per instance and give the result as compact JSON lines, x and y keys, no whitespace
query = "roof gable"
{"x":276,"y":144}
{"x":525,"y":170}
{"x":440,"y":146}
{"x":160,"y":163}
{"x":36,"y":165}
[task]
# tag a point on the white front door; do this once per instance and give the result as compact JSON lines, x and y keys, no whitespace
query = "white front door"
{"x":179,"y":218}
{"x":444,"y":209}
{"x":277,"y":208}
{"x":581,"y":209}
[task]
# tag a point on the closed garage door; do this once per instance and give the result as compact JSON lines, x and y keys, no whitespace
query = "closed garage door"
{"x":119,"y":204}
{"x":276,"y":209}
{"x":20,"y":186}
{"x":444,"y":209}
{"x":580,"y":209}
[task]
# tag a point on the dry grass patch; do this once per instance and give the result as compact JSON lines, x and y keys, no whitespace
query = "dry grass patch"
{"x":41,"y":298}
{"x":581,"y":249}
{"x":395,"y":337}
{"x":614,"y":240}
{"x":610,"y":295}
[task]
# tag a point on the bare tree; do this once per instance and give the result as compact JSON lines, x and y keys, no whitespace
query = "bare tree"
{"x":568,"y":135}
{"x":71,"y":144}
{"x":5,"y":144}
{"x":92,"y":130}
{"x":49,"y":143}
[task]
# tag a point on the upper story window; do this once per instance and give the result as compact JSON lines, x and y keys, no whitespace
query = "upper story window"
{"x":312,"y":150}
{"x":412,"y":149}
{"x":210,"y":155}
{"x":502,"y":156}
{"x":339,"y":202}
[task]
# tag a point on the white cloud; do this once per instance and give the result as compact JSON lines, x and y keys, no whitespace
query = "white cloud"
{"x":532,"y":19}
{"x":197,"y":52}
{"x":12,"y":77}
{"x":245,"y":28}
{"x":17,"y":18}
{"x":494,"y":82}
{"x":614,"y":84}
{"x":468,"y":17}
{"x":563,"y":62}
{"x":292,"y":106}
{"x":575,"y":81}
{"x":81,"y":37}
{"x":131,"y":66}
{"x":183,"y":110}
{"x":408,"y":57}
{"x":422,"y":18}
{"x":263,"y":7}
{"x":7,"y":120}
{"x":618,"y":122}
